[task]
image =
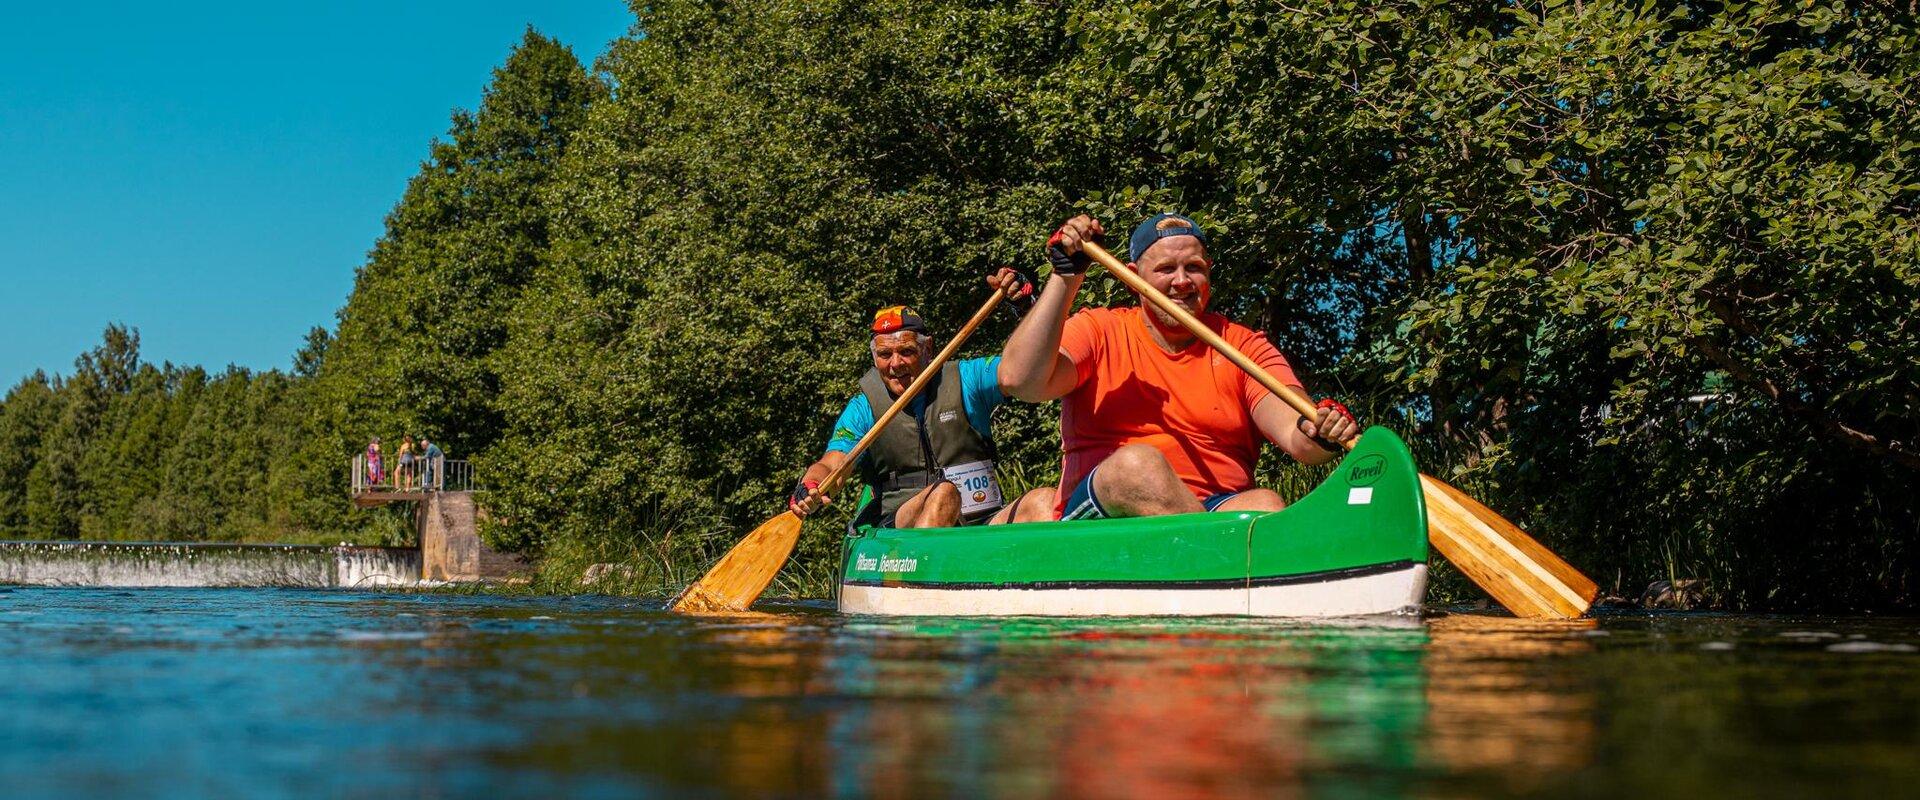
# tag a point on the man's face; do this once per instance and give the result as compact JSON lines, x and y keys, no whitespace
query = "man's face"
{"x":900,"y":357}
{"x":1179,"y":268}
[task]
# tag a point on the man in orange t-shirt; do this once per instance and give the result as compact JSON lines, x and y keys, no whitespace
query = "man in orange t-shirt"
{"x":1153,"y":421}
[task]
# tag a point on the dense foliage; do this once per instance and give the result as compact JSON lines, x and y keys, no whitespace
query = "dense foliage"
{"x":1641,"y":275}
{"x":124,"y":449}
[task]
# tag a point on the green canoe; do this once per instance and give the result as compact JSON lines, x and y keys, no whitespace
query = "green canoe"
{"x":1355,"y":545}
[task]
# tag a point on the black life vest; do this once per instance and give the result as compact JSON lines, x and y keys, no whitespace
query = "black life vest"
{"x":919,"y":446}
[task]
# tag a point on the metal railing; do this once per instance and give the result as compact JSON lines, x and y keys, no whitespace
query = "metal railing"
{"x":423,"y":475}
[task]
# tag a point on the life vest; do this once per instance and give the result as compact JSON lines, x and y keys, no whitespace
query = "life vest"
{"x":916,"y":449}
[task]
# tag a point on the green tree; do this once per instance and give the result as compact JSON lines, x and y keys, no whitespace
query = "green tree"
{"x":1694,"y":298}
{"x":767,"y":175}
{"x":1640,"y":274}
{"x":414,"y":349}
{"x":25,"y":415}
{"x":428,"y":309}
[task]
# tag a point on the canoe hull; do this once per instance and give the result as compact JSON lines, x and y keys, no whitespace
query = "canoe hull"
{"x":1354,"y":546}
{"x":1395,"y":591}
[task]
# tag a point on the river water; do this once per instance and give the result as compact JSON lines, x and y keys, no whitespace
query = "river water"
{"x":279,"y":692}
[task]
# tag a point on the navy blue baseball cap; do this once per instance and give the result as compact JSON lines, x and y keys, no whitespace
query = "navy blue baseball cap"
{"x":1146,"y":233}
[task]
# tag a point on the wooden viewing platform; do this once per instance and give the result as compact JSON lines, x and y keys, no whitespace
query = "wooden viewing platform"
{"x":445,"y":517}
{"x":444,"y":475}
{"x":379,"y":497}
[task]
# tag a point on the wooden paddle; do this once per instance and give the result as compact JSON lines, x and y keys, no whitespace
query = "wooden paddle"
{"x":744,"y":572}
{"x":1524,"y":576}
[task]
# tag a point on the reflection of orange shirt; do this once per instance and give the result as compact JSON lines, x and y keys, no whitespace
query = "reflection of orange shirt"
{"x":1195,"y":406}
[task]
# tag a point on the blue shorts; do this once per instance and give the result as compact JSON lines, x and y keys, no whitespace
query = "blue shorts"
{"x":1083,"y":503}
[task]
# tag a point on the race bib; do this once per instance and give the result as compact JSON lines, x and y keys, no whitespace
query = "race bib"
{"x":978,"y":490}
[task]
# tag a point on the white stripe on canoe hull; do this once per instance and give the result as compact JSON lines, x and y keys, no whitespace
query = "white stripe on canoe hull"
{"x":1395,"y":592}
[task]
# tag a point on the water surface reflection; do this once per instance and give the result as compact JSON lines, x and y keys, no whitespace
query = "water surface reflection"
{"x":298,"y":693}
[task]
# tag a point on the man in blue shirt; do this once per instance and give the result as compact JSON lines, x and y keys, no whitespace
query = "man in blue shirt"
{"x":933,"y":464}
{"x":431,"y":458}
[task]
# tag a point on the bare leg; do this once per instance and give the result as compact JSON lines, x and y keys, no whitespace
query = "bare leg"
{"x":1137,"y":481}
{"x":1034,"y":506}
{"x":937,"y":506}
{"x":1253,"y":500}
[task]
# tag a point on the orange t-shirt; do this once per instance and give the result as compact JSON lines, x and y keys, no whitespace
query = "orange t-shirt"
{"x":1195,"y":406}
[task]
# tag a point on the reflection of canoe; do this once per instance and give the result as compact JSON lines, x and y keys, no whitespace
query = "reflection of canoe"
{"x":1355,"y":545}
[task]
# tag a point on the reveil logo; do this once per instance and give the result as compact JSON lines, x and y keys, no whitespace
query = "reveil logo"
{"x":1367,"y":470}
{"x":979,"y":497}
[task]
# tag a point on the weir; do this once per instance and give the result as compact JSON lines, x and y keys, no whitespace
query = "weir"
{"x":130,"y":564}
{"x":444,"y":523}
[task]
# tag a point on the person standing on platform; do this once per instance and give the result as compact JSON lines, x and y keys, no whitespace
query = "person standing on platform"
{"x":403,"y":476}
{"x":376,"y":471}
{"x":430,"y":463}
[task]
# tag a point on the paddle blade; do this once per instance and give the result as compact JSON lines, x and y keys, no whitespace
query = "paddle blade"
{"x":744,"y":572}
{"x":1497,"y":556}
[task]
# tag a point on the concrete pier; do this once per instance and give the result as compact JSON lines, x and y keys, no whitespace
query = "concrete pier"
{"x":450,"y":545}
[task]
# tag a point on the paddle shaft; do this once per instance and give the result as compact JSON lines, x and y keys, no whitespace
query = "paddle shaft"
{"x":1292,"y":396}
{"x":840,"y":473}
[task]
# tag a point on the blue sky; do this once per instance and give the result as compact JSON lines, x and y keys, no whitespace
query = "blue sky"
{"x":213,"y":173}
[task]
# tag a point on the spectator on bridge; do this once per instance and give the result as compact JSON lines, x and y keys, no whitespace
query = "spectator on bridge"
{"x":403,"y":476}
{"x":431,"y":460}
{"x":376,"y":471}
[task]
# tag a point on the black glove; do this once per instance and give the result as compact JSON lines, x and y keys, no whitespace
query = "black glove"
{"x":1063,"y":263}
{"x":801,"y":491}
{"x":1020,"y":293}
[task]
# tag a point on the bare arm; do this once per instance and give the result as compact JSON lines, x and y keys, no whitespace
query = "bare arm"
{"x":1032,"y":368}
{"x":1279,"y":423}
{"x":825,"y":466}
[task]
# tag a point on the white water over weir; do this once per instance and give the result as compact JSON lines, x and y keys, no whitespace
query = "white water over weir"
{"x":163,"y":564}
